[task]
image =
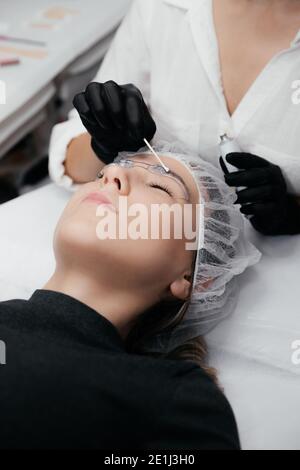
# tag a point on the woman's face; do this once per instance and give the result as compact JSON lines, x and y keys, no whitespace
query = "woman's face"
{"x":126,"y":261}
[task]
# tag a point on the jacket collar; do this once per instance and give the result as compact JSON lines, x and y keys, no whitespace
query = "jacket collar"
{"x":200,"y":20}
{"x":68,"y":319}
{"x":200,"y":17}
{"x":184,"y":4}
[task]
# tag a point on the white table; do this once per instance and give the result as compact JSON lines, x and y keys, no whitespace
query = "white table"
{"x":29,"y":85}
{"x":251,"y":349}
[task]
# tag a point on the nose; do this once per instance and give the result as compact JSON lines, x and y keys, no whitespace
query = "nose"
{"x":116,"y":176}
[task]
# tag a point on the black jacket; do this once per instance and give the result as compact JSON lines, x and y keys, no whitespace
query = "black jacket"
{"x":69,"y":383}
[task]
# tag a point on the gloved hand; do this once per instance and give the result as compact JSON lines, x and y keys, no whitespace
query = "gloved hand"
{"x":273,"y":210}
{"x":116,"y":117}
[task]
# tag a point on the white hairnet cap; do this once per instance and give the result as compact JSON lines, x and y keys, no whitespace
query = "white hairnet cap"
{"x":223,"y":251}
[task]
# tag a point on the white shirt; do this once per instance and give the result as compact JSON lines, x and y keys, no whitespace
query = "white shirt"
{"x":169,"y":50}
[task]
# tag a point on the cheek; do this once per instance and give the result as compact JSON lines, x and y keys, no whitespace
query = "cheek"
{"x":75,"y":201}
{"x":76,"y":234}
{"x":149,"y":243}
{"x":147,"y":261}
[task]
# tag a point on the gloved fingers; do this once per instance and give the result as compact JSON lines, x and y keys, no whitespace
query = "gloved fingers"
{"x":267,"y":193}
{"x":253,"y":177}
{"x":259,"y":209}
{"x":94,"y":98}
{"x":113,"y":96}
{"x":277,"y":177}
{"x":134,"y":117}
{"x":140,"y":121}
{"x":129,"y":87}
{"x":246,"y":161}
{"x":107,"y":156}
{"x":259,"y":225}
{"x":87,"y":117}
{"x":267,"y":227}
{"x":149,"y":124}
{"x":223,"y":166}
{"x":144,"y":123}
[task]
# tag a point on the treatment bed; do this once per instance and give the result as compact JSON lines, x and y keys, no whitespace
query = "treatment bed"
{"x":256,"y":350}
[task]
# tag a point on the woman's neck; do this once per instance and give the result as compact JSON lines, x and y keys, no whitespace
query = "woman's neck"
{"x":121,"y":308}
{"x":283,"y":6}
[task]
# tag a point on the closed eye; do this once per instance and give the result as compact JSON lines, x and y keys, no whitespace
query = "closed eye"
{"x":162,"y":188}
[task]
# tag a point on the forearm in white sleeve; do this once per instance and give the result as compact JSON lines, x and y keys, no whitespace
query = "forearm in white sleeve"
{"x":61,"y":136}
{"x":127,"y":61}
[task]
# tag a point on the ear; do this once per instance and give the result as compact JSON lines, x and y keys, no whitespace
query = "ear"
{"x":181,"y":287}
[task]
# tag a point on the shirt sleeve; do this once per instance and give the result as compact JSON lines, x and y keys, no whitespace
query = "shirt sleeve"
{"x":127,"y":61}
{"x":198,"y":418}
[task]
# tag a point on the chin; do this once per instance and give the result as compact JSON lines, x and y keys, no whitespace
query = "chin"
{"x":74,"y":240}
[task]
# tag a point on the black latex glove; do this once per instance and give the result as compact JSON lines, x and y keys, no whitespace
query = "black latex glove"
{"x":273,"y":211}
{"x":116,"y":117}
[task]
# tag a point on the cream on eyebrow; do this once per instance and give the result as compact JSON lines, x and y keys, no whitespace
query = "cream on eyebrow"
{"x":178,"y":177}
{"x":172,"y":173}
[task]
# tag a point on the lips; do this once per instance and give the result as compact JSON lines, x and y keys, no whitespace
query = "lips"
{"x":99,"y":198}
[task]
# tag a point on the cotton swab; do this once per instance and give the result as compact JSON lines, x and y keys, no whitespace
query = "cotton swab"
{"x":155,"y":154}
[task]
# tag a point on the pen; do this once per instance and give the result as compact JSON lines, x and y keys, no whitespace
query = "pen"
{"x":6,"y":62}
{"x":22,"y":40}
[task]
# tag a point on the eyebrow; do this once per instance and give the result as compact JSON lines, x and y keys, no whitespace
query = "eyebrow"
{"x":178,"y":177}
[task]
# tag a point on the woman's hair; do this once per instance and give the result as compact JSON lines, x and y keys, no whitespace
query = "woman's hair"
{"x":165,"y":316}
